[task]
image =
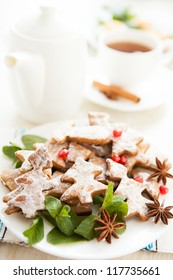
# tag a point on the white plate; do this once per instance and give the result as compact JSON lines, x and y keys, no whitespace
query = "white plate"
{"x":153,"y":92}
{"x":137,"y":235}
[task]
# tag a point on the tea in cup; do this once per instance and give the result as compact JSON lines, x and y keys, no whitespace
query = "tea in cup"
{"x":129,"y":56}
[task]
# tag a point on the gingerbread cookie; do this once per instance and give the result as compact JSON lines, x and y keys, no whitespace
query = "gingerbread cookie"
{"x":82,"y":176}
{"x":96,"y":135}
{"x":29,"y":195}
{"x":125,"y":141}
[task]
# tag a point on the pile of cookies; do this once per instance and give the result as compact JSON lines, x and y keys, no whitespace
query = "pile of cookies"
{"x":78,"y":163}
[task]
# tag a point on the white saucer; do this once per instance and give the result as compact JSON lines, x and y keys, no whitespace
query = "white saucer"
{"x":153,"y":92}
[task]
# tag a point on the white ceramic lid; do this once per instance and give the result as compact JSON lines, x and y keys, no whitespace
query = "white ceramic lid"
{"x":46,"y":25}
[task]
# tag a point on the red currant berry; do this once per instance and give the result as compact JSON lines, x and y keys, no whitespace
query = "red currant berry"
{"x":63,"y":154}
{"x":123,"y":160}
{"x":116,"y":158}
{"x":139,"y":179}
{"x":163,"y":189}
{"x":117,"y":133}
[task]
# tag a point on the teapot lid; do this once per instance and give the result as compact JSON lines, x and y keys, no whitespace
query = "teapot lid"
{"x":45,"y":25}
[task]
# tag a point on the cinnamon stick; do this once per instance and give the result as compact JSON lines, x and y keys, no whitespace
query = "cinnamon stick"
{"x":112,"y":91}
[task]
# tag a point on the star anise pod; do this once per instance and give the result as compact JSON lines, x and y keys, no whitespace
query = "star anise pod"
{"x":157,"y":210}
{"x":160,"y":171}
{"x":108,"y":226}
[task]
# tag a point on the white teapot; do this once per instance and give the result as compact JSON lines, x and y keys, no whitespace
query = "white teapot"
{"x":46,"y":62}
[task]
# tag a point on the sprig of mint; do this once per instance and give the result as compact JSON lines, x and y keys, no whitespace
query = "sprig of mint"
{"x":60,"y":215}
{"x":115,"y":203}
{"x":68,"y":226}
{"x":27,"y":140}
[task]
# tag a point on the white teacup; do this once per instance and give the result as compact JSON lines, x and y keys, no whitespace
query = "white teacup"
{"x":125,"y":64}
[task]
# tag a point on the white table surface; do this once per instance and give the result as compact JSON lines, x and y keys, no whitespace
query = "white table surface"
{"x":157,"y":124}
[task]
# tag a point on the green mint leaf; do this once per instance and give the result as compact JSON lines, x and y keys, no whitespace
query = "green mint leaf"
{"x":114,"y":203}
{"x":65,"y":225}
{"x":56,"y":237}
{"x":76,"y":220}
{"x":64,"y":221}
{"x":108,"y":195}
{"x":86,"y":227}
{"x":29,"y":140}
{"x":36,"y":232}
{"x":64,"y":211}
{"x":97,"y":200}
{"x":118,"y":207}
{"x":53,"y":205}
{"x":9,"y":151}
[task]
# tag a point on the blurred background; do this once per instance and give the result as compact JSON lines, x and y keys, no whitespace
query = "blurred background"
{"x":93,"y":16}
{"x":156,"y":14}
